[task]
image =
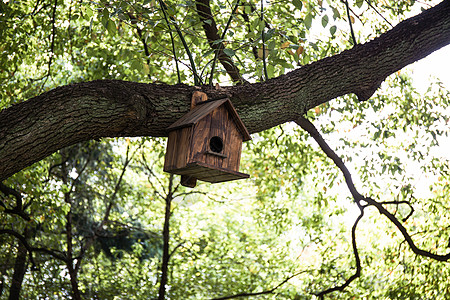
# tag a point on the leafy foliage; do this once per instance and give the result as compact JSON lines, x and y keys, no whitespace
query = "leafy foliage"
{"x":92,"y":215}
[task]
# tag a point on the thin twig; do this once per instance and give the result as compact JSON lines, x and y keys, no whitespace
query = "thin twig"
{"x":350,"y":23}
{"x":173,"y":44}
{"x":216,"y":54}
{"x":263,"y":42}
{"x":269,"y":291}
{"x":197,"y":79}
{"x":52,"y":43}
{"x":370,"y":4}
{"x":357,"y":260}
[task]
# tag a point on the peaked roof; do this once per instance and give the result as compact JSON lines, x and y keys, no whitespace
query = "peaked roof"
{"x":202,"y":109}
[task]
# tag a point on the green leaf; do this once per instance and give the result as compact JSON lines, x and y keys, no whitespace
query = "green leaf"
{"x":268,"y":35}
{"x":333,"y":29}
{"x":136,"y":65}
{"x":298,"y":4}
{"x":270,"y":70}
{"x":325,"y":21}
{"x":111,"y":27}
{"x":336,"y":14}
{"x":359,"y":3}
{"x":308,"y":21}
{"x":229,"y":52}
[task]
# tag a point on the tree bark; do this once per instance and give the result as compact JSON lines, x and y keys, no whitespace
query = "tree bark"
{"x":38,"y":127}
{"x":20,"y":267}
{"x":166,"y":244}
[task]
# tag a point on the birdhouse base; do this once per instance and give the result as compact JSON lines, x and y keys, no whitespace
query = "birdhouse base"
{"x":209,"y":173}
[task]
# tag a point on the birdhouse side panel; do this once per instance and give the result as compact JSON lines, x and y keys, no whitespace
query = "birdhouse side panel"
{"x":178,"y":149}
{"x":233,"y":145}
{"x":200,"y":140}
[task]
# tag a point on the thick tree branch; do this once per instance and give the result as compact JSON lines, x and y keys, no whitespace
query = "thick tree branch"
{"x":311,"y":129}
{"x":36,"y":128}
{"x":166,"y":241}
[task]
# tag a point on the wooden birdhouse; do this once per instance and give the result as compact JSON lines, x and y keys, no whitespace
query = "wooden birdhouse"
{"x":206,"y":143}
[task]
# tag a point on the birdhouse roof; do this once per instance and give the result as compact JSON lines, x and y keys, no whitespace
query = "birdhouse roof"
{"x":203,"y":109}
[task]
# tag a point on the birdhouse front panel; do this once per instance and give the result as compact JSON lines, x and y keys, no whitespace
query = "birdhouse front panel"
{"x":217,"y":141}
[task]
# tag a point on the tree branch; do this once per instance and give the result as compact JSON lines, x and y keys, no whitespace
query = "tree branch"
{"x":269,"y":291}
{"x":166,"y":241}
{"x":309,"y":127}
{"x":350,"y":23}
{"x":405,"y":233}
{"x":357,"y":260}
{"x":197,"y":79}
{"x":31,"y":249}
{"x":34,"y":129}
{"x":215,"y":41}
{"x":19,"y":208}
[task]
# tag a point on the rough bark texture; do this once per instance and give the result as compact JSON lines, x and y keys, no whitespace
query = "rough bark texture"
{"x":20,"y":268}
{"x":66,"y":115}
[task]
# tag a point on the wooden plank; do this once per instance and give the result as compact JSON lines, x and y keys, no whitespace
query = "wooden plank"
{"x":209,"y":173}
{"x":235,"y":140}
{"x":200,"y":140}
{"x":218,"y":128}
{"x":196,"y":114}
{"x":169,"y":159}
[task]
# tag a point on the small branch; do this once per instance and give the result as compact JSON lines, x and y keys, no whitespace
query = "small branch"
{"x":263,"y":43}
{"x":247,"y":21}
{"x":19,"y":208}
{"x":357,"y":260}
{"x":173,"y":44}
{"x":175,"y":249}
{"x":214,"y":40}
{"x":116,"y":188}
{"x":350,"y":23}
{"x":221,"y":46}
{"x":270,"y":291}
{"x":309,"y":127}
{"x":31,"y":249}
{"x":397,"y":203}
{"x":371,"y":6}
{"x":405,"y":233}
{"x":197,"y":79}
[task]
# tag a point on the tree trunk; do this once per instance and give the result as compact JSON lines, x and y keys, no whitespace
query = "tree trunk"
{"x":20,"y":267}
{"x":36,"y":128}
{"x":166,"y":244}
